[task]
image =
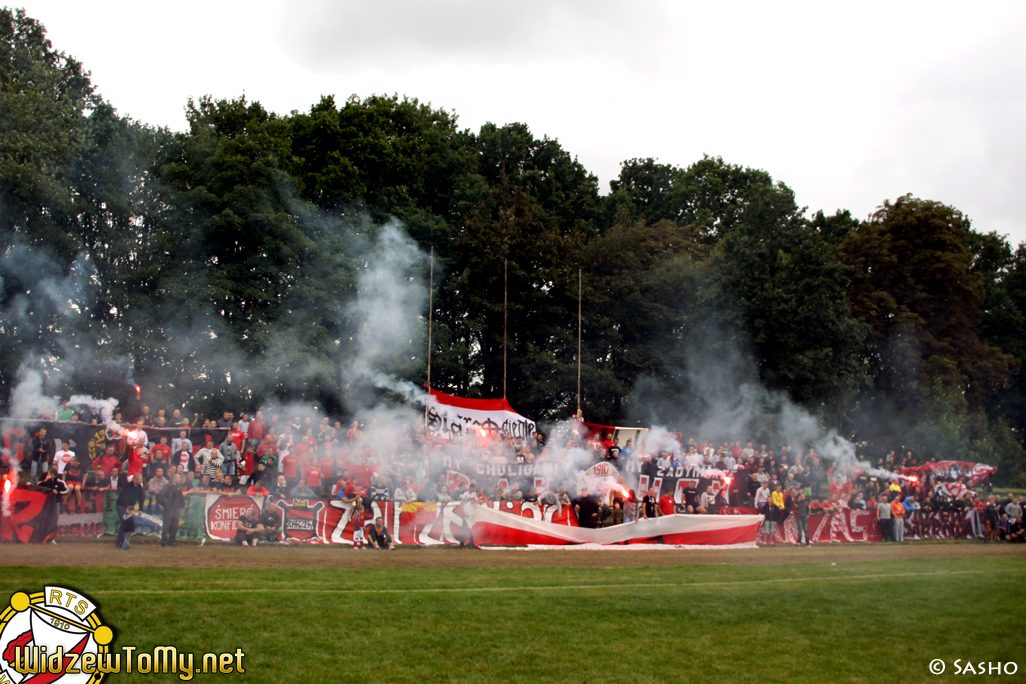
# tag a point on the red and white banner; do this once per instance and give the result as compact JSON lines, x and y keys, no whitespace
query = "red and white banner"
{"x":952,"y":470}
{"x":492,"y":526}
{"x":449,"y":416}
{"x":848,"y":525}
{"x":503,"y":523}
{"x":951,"y":489}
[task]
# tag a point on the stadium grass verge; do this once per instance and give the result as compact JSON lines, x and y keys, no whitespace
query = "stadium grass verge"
{"x":811,"y":622}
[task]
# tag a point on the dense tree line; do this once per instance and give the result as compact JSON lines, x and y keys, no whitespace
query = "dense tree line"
{"x":213,"y":267}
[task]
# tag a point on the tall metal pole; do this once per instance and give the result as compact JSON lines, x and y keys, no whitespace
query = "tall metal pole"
{"x":431,"y":309}
{"x":431,"y":301}
{"x":505,"y":320}
{"x":580,"y":290}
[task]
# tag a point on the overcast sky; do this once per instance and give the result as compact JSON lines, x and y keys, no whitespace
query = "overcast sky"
{"x":847,"y":105}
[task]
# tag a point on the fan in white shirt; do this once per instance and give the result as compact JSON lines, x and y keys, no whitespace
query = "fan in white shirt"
{"x":63,"y":457}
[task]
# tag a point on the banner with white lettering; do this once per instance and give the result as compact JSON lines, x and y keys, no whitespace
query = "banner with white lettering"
{"x":449,"y":416}
{"x":952,"y":471}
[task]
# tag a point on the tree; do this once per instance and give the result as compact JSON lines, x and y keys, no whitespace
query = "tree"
{"x":640,"y":288}
{"x":510,"y":234}
{"x":834,"y":228}
{"x":43,"y":97}
{"x":710,"y":195}
{"x":914,"y":286}
{"x":564,"y":191}
{"x":779,"y":287}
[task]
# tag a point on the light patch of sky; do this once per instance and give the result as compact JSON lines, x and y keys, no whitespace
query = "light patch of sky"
{"x":847,"y":104}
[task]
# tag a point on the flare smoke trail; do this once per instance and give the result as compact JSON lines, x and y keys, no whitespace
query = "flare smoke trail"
{"x":720,"y":398}
{"x":389,"y":311}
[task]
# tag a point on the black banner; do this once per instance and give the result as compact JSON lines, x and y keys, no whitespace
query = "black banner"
{"x":91,"y":441}
{"x":34,"y":512}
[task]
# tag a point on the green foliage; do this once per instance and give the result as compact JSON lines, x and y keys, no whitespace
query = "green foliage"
{"x":214,"y":268}
{"x":566,"y":193}
{"x":43,"y":97}
{"x":920,"y":282}
{"x":780,"y":288}
{"x":710,"y":195}
{"x":639,"y":291}
{"x":834,"y":228}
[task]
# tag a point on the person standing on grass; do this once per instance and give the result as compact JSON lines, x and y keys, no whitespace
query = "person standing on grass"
{"x":650,"y":504}
{"x":801,"y":517}
{"x":467,"y":498}
{"x":898,"y":515}
{"x":775,"y":511}
{"x":991,"y":518}
{"x":172,"y":499}
{"x":762,"y":504}
{"x":130,"y":499}
{"x":883,"y":518}
{"x":666,"y":504}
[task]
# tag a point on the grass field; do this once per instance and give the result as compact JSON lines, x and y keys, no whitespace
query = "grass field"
{"x":881,"y":621}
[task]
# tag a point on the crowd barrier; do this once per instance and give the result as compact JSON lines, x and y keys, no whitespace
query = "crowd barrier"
{"x":34,"y":516}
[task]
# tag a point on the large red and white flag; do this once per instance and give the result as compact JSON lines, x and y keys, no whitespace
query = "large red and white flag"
{"x":449,"y":416}
{"x":952,"y":470}
{"x":495,"y":527}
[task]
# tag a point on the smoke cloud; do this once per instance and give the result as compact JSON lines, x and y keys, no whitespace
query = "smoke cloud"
{"x":716,"y":396}
{"x":389,"y":315}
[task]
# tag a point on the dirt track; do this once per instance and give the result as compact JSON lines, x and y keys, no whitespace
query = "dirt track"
{"x":148,"y":553}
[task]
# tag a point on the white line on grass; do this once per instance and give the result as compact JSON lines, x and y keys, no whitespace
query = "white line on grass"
{"x":555,"y":587}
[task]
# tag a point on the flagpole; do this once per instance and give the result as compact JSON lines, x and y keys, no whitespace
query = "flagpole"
{"x":505,"y":320}
{"x":431,"y":301}
{"x":580,"y":290}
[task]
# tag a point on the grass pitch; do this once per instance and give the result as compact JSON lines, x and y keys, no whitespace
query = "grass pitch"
{"x":880,"y":621}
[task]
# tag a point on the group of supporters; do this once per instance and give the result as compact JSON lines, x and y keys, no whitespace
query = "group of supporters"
{"x":304,"y":458}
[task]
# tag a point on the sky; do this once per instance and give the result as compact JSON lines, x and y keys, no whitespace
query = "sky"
{"x":849,"y":104}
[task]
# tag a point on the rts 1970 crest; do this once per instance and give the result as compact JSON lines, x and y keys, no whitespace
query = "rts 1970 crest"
{"x":53,"y":635}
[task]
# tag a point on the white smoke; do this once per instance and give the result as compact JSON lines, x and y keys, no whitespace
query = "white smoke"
{"x":106,"y":408}
{"x":28,"y":399}
{"x":388,"y":313}
{"x":724,"y":402}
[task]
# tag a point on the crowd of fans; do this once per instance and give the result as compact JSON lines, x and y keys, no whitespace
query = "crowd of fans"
{"x":306,"y":458}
